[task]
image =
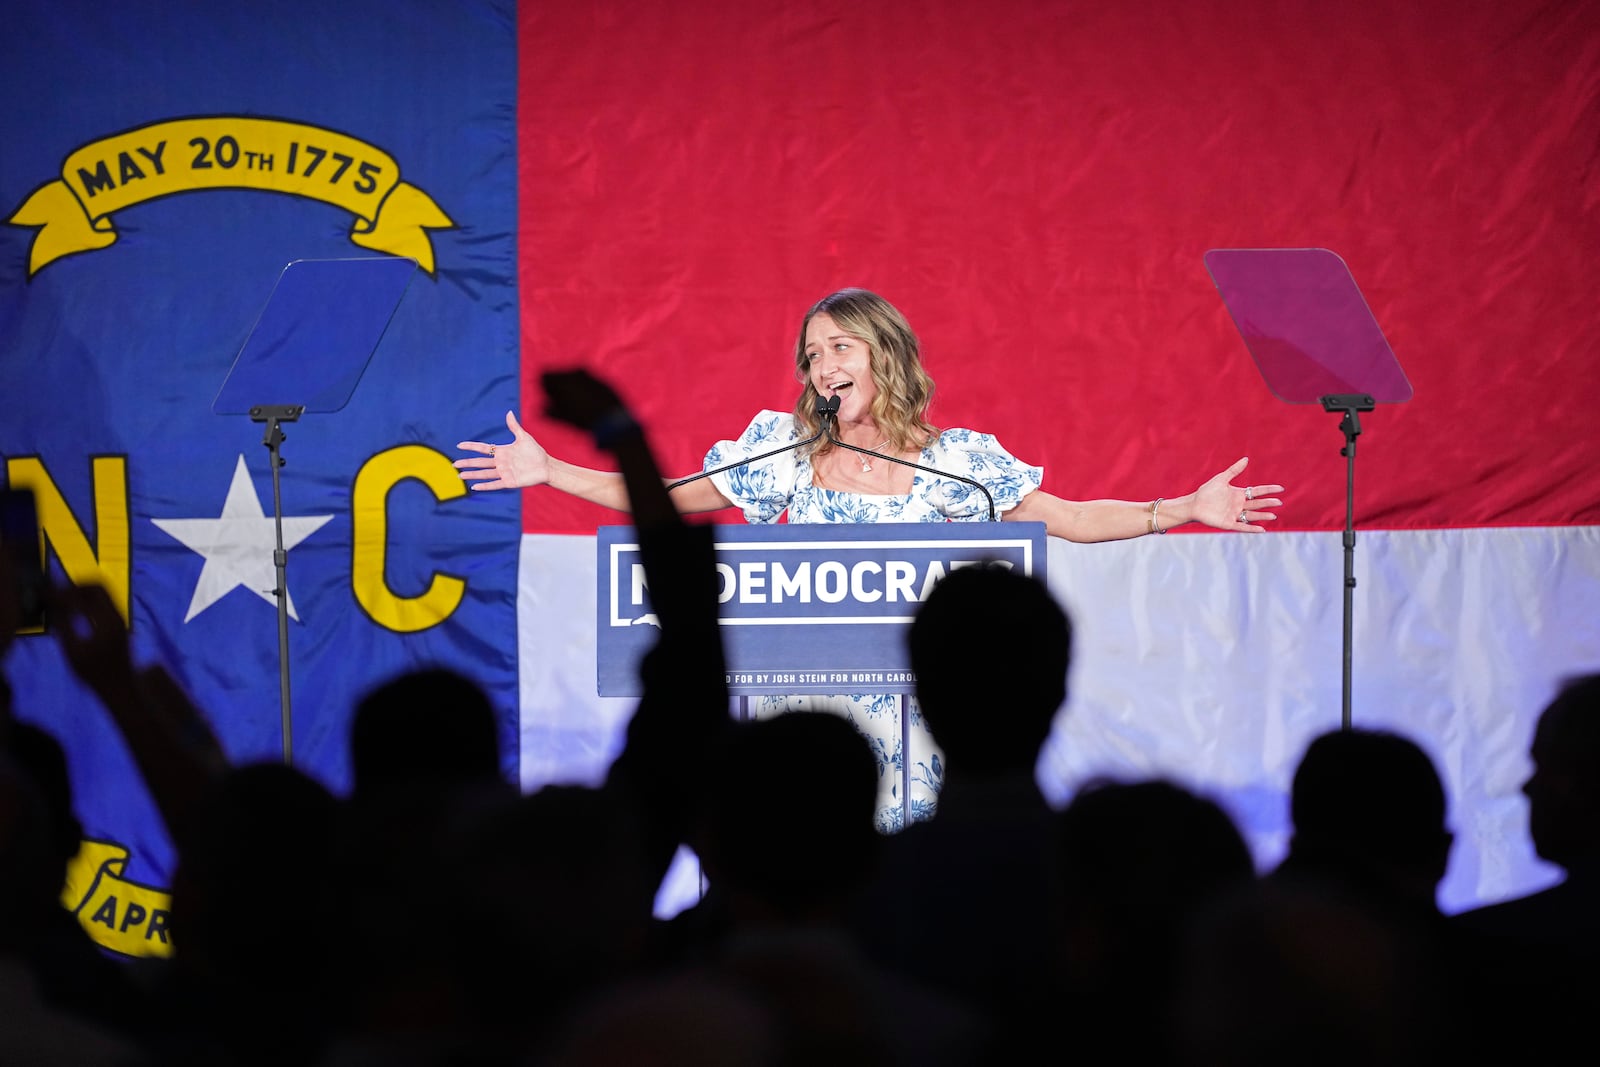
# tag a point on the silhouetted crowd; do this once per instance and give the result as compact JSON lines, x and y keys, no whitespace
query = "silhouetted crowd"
{"x":436,"y":915}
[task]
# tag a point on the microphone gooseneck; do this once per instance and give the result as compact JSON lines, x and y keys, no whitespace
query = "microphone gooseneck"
{"x":826,"y":409}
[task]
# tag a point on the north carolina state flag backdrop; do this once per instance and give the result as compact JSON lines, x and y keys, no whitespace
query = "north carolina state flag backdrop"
{"x":1034,"y":184}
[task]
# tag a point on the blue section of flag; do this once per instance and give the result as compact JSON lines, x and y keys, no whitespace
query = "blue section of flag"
{"x":117,"y":350}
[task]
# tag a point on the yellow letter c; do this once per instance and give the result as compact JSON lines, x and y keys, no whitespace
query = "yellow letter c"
{"x":369,"y":538}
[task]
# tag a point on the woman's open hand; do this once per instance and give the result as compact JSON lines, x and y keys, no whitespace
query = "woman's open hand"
{"x":1226,"y":506}
{"x":515,"y":465}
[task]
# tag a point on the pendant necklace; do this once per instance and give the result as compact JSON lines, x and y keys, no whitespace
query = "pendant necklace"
{"x":866,"y":461}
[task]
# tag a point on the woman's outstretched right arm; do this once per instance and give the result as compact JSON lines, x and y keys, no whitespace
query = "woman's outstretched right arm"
{"x":523,"y":462}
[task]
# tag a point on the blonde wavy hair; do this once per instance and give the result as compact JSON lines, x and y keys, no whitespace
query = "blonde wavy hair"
{"x":904,"y":388}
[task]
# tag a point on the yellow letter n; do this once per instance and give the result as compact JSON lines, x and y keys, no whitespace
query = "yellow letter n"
{"x":110,"y":561}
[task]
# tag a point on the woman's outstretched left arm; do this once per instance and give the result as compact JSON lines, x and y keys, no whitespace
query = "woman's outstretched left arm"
{"x":1218,"y":503}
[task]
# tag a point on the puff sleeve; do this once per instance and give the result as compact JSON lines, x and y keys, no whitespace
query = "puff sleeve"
{"x":762,"y":489}
{"x":983,"y":459}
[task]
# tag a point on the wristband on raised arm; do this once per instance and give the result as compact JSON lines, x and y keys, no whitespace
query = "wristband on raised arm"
{"x":611,"y":427}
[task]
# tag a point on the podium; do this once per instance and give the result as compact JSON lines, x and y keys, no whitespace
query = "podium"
{"x":1315,"y":341}
{"x":805,"y":608}
{"x":309,"y":347}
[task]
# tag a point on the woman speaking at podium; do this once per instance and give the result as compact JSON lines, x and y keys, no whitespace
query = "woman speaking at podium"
{"x":857,"y":355}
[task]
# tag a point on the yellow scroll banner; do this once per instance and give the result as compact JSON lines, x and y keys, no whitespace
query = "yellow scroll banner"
{"x":120,"y":915}
{"x":74,"y":213}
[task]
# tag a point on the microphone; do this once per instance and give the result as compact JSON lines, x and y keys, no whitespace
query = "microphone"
{"x":825,"y":409}
{"x":979,"y":486}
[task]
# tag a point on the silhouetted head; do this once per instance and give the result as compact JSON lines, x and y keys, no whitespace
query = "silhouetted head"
{"x":990,"y":648}
{"x":1148,"y":852}
{"x":1367,"y":803}
{"x":790,"y":811}
{"x":1564,"y":789}
{"x":431,"y":727}
{"x":1136,"y":863}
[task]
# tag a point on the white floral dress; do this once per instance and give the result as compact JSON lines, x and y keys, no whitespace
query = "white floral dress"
{"x":767,"y":488}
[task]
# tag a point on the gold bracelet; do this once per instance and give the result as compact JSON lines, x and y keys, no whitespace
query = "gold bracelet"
{"x":1155,"y":506}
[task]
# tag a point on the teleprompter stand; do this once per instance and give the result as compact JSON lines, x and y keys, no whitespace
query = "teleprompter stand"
{"x":308,"y":349}
{"x":1314,"y":340}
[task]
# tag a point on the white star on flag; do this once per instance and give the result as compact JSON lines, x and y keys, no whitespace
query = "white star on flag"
{"x":238,"y":545}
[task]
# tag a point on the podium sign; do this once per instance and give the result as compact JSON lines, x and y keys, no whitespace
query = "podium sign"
{"x":806,"y":608}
